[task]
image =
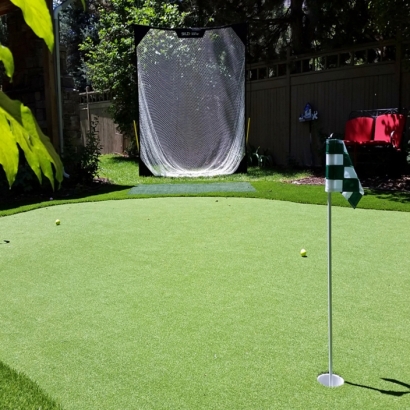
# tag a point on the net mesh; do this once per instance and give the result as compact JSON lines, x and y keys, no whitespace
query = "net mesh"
{"x":191,"y":102}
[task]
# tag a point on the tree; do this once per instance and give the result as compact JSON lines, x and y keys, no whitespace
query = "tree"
{"x":391,"y":18}
{"x":303,"y":25}
{"x":267,"y":20}
{"x":76,"y":25}
{"x":18,"y":127}
{"x":110,"y":62}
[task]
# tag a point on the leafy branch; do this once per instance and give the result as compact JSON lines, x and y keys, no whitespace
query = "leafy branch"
{"x":18,"y":126}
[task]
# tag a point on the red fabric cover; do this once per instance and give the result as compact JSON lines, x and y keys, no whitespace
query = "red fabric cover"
{"x":384,"y":127}
{"x":358,"y":130}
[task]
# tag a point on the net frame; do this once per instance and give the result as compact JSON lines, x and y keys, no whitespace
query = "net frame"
{"x":191,"y":34}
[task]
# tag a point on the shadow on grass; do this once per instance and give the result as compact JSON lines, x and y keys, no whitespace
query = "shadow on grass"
{"x":18,"y":391}
{"x":66,"y":193}
{"x":383,"y":391}
{"x":401,"y":197}
{"x":118,"y":159}
{"x":277,"y":173}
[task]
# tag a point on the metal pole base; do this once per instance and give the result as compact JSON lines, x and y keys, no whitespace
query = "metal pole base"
{"x":334,"y":381}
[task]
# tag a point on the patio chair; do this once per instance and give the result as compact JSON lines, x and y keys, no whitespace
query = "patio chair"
{"x":389,"y":130}
{"x":358,"y":130}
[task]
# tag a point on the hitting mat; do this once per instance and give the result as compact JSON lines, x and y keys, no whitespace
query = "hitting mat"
{"x":160,"y":189}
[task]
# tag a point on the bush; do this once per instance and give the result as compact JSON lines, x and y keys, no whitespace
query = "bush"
{"x":82,"y":162}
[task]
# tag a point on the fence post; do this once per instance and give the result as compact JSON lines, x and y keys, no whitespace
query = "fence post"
{"x":399,"y":77}
{"x":289,"y":93}
{"x":87,"y":90}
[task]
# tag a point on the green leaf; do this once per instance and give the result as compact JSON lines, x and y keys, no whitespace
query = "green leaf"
{"x":18,"y":126}
{"x":9,"y":153}
{"x":7,"y":58}
{"x":37,"y":16}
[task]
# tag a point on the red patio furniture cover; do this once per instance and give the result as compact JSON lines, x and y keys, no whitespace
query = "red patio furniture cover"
{"x":389,"y":129}
{"x":358,"y":130}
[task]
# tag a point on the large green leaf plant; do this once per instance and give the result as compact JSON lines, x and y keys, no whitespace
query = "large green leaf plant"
{"x":18,"y":127}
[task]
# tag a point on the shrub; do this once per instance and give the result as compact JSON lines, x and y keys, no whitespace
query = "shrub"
{"x":82,"y":162}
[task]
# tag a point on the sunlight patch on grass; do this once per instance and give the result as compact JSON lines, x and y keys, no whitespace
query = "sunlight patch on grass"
{"x":125,"y":171}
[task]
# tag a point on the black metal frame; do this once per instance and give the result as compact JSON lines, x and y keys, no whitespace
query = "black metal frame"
{"x":376,"y":112}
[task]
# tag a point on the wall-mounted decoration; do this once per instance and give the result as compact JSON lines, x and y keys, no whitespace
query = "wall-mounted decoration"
{"x":309,"y":116}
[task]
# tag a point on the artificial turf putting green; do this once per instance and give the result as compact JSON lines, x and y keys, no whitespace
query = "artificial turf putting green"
{"x":205,"y":303}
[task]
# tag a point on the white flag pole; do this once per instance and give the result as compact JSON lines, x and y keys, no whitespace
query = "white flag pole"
{"x":329,"y":278}
{"x":330,"y":379}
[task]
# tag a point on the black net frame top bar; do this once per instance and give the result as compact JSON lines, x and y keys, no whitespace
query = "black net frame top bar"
{"x":376,"y":112}
{"x":240,"y":29}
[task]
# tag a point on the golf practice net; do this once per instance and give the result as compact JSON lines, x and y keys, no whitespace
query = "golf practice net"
{"x":191,"y":100}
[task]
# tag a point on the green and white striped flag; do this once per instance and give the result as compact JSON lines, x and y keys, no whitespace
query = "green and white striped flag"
{"x":340,"y":174}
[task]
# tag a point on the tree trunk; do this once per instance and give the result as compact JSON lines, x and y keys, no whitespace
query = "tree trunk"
{"x":296,"y":26}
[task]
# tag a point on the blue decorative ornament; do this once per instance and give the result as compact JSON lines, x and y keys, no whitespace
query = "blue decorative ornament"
{"x":308,"y":115}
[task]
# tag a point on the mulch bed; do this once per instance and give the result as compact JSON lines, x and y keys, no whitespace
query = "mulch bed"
{"x":377,"y":183}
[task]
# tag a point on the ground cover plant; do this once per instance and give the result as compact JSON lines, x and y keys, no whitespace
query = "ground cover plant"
{"x":205,"y":303}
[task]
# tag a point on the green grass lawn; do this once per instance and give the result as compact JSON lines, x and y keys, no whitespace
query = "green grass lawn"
{"x":203,"y":303}
{"x":268,"y":183}
{"x":124,"y":171}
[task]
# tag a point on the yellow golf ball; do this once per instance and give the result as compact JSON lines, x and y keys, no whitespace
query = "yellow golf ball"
{"x":57,"y":222}
{"x":303,"y":252}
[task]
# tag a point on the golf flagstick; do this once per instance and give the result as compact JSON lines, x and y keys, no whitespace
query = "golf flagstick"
{"x":329,"y":279}
{"x":330,"y":379}
{"x":340,"y":177}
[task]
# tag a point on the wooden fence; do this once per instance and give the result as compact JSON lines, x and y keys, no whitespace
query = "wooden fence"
{"x":335,"y":83}
{"x":367,"y":77}
{"x":94,"y":109}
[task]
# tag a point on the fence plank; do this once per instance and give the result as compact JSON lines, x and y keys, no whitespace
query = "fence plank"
{"x":111,"y":140}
